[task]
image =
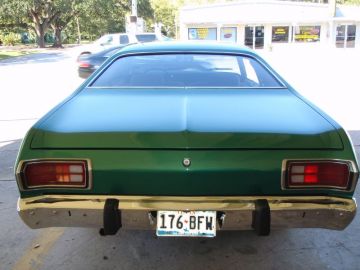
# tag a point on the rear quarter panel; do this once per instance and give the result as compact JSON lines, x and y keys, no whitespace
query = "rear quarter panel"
{"x":161,"y":172}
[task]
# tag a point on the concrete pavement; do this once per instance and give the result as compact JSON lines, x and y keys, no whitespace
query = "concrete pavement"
{"x":31,"y":85}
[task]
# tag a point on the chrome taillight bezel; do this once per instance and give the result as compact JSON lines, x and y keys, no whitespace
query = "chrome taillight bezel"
{"x":353,"y":175}
{"x":21,"y":178}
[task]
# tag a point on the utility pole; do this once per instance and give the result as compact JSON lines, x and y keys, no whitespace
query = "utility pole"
{"x":133,"y":17}
{"x":78,"y":30}
{"x":134,"y":8}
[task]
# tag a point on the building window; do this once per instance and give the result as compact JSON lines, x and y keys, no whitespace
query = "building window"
{"x":280,"y":34}
{"x":202,"y":34}
{"x":254,"y":37}
{"x":307,"y":33}
{"x":345,"y":36}
{"x":228,"y":34}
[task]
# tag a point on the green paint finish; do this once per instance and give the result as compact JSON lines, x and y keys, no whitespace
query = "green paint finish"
{"x":191,"y":118}
{"x":137,"y":139}
{"x":212,"y":172}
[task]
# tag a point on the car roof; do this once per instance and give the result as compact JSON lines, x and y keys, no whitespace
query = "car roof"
{"x":176,"y":46}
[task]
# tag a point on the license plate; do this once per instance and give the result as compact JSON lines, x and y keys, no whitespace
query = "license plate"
{"x":186,"y":223}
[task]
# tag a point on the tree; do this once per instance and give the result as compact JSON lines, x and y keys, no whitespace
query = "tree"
{"x":66,"y":13}
{"x":146,"y":11}
{"x":42,"y":13}
{"x":97,"y":17}
{"x":165,"y":12}
{"x":12,"y":15}
{"x":36,"y":15}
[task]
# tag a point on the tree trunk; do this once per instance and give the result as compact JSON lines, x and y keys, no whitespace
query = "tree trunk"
{"x":41,"y":25}
{"x":58,"y":40}
{"x":40,"y":35}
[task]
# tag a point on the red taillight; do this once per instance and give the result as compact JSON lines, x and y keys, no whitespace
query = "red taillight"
{"x":318,"y":174}
{"x":84,"y":64}
{"x":55,"y":174}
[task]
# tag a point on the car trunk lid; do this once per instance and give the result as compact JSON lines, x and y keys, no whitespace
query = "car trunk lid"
{"x":182,"y":118}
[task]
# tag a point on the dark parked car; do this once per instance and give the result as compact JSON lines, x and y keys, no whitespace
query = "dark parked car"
{"x":186,"y":139}
{"x":88,"y":63}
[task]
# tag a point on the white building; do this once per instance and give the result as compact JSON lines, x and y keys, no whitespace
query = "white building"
{"x":270,"y":23}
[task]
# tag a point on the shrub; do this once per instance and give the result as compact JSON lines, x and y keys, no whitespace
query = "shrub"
{"x":10,"y":39}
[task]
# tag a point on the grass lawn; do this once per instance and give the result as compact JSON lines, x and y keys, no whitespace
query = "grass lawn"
{"x":10,"y":54}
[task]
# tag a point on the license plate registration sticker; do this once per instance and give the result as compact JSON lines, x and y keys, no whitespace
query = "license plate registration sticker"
{"x":186,"y":223}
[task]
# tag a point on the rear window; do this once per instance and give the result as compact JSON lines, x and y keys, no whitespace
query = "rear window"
{"x":111,"y":52}
{"x":146,"y":38}
{"x":124,"y":39}
{"x":186,"y":70}
{"x":104,"y":40}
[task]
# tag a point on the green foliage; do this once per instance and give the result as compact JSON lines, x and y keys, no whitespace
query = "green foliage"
{"x":165,"y":12}
{"x":145,"y":9}
{"x":94,"y":17}
{"x":13,"y":12}
{"x":107,"y":16}
{"x":10,"y":39}
{"x":98,"y":17}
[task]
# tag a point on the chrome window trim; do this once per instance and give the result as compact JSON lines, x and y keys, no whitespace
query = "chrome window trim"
{"x":23,"y":163}
{"x":183,"y":87}
{"x":263,"y":64}
{"x":351,"y":182}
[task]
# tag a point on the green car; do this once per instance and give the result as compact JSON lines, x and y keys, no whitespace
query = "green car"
{"x":186,"y":139}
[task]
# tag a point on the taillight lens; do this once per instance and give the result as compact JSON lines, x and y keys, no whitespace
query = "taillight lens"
{"x":55,"y":174}
{"x":84,"y":64}
{"x":318,"y":174}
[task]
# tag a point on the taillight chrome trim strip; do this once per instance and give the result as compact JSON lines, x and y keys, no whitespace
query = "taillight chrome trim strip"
{"x":354,"y":174}
{"x":23,"y":163}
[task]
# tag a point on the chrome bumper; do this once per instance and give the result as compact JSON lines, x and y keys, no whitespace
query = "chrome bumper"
{"x":137,"y":212}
